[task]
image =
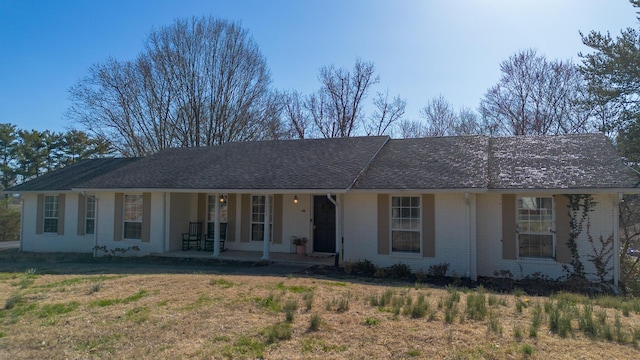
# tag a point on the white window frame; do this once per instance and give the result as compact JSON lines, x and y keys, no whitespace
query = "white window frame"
{"x":133,"y":217}
{"x":211,"y":210}
{"x":50,"y":212}
{"x":90,"y":214}
{"x":255,"y":217}
{"x":398,"y":222}
{"x":548,"y":231}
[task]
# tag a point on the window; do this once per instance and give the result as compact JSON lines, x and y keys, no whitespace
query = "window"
{"x":535,"y":226}
{"x":90,"y":215}
{"x":50,"y":214}
{"x":211,"y":211}
{"x":133,"y":205}
{"x":405,"y":224}
{"x":257,"y":217}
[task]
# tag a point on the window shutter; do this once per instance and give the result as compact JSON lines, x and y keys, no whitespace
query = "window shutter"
{"x":117,"y":217}
{"x":509,"y":250}
{"x":428,"y":225}
{"x":231,"y":217}
{"x":81,"y":214}
{"x":277,"y":219}
{"x":146,"y":217}
{"x":383,"y":224}
{"x":39,"y":213}
{"x":202,"y":209}
{"x":61,"y":204}
{"x":245,"y":219}
{"x":563,"y":254}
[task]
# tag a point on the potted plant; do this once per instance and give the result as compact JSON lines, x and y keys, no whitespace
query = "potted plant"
{"x":300,"y":243}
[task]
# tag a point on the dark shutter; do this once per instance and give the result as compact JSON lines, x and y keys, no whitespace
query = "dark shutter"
{"x":81,"y":214}
{"x":428,"y":225}
{"x":245,"y":220}
{"x":39,"y":213}
{"x":509,"y":251}
{"x":277,"y":219}
{"x":231,"y":217}
{"x":383,"y":224}
{"x":117,"y":217}
{"x":61,"y":205}
{"x":563,"y":254}
{"x":146,"y":217}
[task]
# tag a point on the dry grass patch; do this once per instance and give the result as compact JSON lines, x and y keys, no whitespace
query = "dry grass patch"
{"x":247,"y":317}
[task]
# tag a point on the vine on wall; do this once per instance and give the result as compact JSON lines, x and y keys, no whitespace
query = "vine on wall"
{"x":580,"y":205}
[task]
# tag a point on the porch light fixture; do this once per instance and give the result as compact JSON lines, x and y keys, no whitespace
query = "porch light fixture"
{"x":295,"y":199}
{"x":221,"y":199}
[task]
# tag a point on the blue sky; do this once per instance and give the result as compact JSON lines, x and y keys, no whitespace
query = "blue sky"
{"x":421,"y":48}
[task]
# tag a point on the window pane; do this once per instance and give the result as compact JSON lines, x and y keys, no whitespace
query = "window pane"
{"x":257,"y":232}
{"x":133,"y":208}
{"x":405,"y":241}
{"x":405,"y":224}
{"x":536,"y":245}
{"x":258,"y":215}
{"x":535,"y":225}
{"x":89,"y":226}
{"x":132,"y":230}
{"x":50,"y":225}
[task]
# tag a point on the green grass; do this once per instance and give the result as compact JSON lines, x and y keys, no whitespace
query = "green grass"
{"x":51,"y":310}
{"x":278,"y":332}
{"x":271,"y":303}
{"x":245,"y":347}
{"x":224,"y":283}
{"x":476,"y":306}
{"x":371,"y":321}
{"x":13,"y":300}
{"x":138,"y":314}
{"x":315,"y":322}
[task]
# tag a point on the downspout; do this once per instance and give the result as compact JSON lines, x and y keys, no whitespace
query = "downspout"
{"x":336,"y":204}
{"x":616,"y":242}
{"x":216,"y":227}
{"x":21,"y":222}
{"x":468,"y":210}
{"x":267,"y":229}
{"x":165,"y":241}
{"x":95,"y":228}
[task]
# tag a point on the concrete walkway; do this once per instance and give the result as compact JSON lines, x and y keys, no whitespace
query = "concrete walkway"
{"x":9,"y":245}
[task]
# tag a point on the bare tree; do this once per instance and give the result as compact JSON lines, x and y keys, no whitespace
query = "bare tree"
{"x":198,"y":82}
{"x":386,"y":114}
{"x":296,"y":115}
{"x":536,"y":97}
{"x":440,"y":117}
{"x":412,"y":129}
{"x":336,"y":109}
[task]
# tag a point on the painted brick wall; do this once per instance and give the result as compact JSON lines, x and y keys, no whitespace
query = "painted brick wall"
{"x":360,"y":234}
{"x":489,"y":232}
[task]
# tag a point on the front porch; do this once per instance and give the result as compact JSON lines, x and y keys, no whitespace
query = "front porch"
{"x":255,"y":256}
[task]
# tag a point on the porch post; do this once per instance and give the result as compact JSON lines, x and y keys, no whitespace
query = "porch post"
{"x":216,"y":227}
{"x":267,"y":228}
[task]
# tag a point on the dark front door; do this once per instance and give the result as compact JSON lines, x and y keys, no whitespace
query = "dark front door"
{"x":324,"y":225}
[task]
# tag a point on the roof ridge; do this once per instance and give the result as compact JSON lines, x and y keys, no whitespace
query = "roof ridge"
{"x":366,"y":166}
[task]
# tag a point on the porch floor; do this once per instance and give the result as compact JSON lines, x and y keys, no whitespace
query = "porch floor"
{"x":255,"y":256}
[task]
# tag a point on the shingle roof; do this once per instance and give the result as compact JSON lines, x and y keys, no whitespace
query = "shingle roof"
{"x":586,"y":161}
{"x":429,"y":163}
{"x":280,"y":164}
{"x":73,"y":175}
{"x":557,"y":162}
